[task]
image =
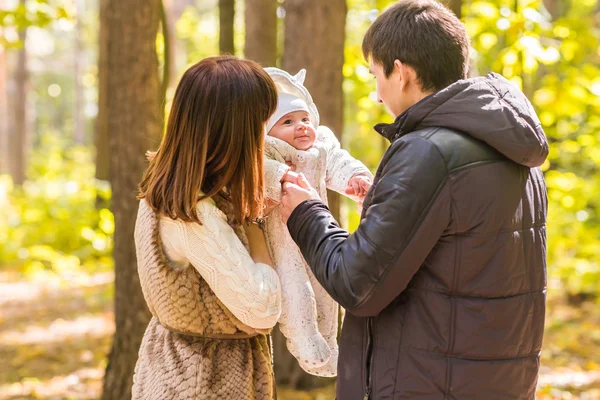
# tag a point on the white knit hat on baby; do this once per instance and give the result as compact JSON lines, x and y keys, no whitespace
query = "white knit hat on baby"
{"x":286,"y":104}
{"x":293,"y":96}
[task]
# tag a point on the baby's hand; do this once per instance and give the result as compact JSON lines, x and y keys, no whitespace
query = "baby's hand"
{"x":269,"y":206}
{"x":359,"y":185}
{"x":290,"y":176}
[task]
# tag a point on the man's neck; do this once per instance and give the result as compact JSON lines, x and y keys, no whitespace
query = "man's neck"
{"x":420,"y":95}
{"x":415,"y":97}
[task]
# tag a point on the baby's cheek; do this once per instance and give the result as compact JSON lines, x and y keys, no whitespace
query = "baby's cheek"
{"x":282,"y":135}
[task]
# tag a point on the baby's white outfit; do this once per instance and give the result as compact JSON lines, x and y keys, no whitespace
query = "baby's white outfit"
{"x":309,"y":317}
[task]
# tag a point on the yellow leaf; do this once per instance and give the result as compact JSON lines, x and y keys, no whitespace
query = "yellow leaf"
{"x":488,"y":40}
{"x":544,"y":97}
{"x":510,"y":58}
{"x":547,"y":118}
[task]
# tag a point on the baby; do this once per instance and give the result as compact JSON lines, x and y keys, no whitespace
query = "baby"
{"x":309,"y":318}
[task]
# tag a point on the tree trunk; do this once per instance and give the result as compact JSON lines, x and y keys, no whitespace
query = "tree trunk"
{"x":101,"y":134}
{"x":79,"y":99}
{"x":18,"y":136}
{"x":456,"y":7}
{"x":261,"y":31}
{"x":320,"y":50}
{"x":558,"y":8}
{"x":322,"y":58}
{"x":167,"y":32}
{"x":4,"y":116}
{"x":171,"y":17}
{"x":134,"y":125}
{"x":177,"y":57}
{"x":226,"y":20}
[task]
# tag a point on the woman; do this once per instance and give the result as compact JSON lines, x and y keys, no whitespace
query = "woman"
{"x":203,"y":264}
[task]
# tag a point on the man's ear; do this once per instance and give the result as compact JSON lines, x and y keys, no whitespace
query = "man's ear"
{"x":406,"y":74}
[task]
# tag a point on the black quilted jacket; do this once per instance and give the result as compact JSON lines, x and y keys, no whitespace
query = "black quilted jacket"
{"x":444,"y":280}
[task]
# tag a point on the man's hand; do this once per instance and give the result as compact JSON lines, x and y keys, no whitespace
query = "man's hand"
{"x":294,"y":194}
{"x":359,"y":185}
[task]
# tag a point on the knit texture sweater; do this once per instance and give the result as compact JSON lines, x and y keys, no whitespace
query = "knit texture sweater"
{"x":212,"y":307}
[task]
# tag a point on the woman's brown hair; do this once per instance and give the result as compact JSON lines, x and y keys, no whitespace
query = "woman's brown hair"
{"x":214,"y":141}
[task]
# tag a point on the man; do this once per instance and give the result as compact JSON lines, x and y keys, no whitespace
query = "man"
{"x":444,"y":279}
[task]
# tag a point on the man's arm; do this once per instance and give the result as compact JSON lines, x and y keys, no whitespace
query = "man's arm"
{"x":409,"y":212}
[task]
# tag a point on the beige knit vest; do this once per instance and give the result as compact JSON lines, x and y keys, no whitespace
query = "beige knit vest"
{"x":179,"y":298}
{"x":183,"y":303}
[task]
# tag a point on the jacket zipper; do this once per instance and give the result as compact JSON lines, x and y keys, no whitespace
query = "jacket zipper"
{"x":369,"y":361}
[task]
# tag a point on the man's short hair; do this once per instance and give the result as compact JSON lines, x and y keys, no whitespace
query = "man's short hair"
{"x":424,"y":35}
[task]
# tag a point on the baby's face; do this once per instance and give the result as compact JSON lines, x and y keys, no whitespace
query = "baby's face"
{"x":296,"y":129}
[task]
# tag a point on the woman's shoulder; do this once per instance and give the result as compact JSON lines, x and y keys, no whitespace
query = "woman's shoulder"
{"x":206,"y":208}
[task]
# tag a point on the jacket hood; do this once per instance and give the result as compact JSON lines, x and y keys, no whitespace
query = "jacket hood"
{"x":489,"y":108}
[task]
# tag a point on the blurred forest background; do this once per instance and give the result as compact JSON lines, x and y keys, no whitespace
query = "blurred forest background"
{"x":84,"y":88}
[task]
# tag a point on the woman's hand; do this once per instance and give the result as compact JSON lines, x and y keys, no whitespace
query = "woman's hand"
{"x":258,"y":245}
{"x":294,"y":194}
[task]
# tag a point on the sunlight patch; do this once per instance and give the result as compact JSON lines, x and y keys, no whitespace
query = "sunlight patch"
{"x":61,"y":330}
{"x":19,"y":291}
{"x":85,"y":383}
